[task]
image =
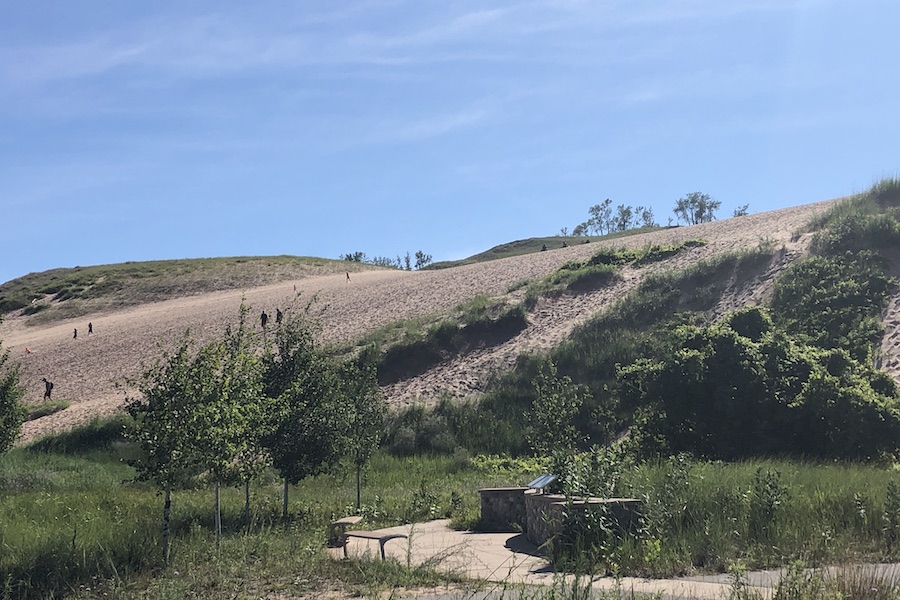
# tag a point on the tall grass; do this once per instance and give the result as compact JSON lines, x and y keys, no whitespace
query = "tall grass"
{"x":868,"y":220}
{"x":74,"y":523}
{"x":707,"y":516}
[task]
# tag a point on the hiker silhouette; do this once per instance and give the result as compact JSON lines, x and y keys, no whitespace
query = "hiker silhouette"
{"x":263,"y":319}
{"x":48,"y":388}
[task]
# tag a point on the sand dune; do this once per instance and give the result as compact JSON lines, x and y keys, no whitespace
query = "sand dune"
{"x":91,"y":371}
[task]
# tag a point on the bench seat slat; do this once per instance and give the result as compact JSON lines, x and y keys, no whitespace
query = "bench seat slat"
{"x":382,"y":538}
{"x":374,"y":535}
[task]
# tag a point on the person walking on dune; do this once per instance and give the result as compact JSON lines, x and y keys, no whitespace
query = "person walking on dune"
{"x":48,"y":388}
{"x":75,"y":334}
{"x":348,"y":276}
{"x":263,"y":319}
{"x":90,"y":328}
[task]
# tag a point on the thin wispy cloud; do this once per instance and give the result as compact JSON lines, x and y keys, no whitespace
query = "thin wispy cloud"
{"x":220,"y":44}
{"x":34,"y":64}
{"x":687,"y":10}
{"x":396,"y":131}
{"x":465,"y":26}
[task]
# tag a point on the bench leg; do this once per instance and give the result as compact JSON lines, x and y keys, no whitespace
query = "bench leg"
{"x":336,"y":533}
{"x":381,"y":544}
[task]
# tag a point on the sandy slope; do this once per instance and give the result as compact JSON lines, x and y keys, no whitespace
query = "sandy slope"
{"x":87,"y":370}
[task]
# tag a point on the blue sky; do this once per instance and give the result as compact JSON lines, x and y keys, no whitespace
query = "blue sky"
{"x":152,"y":130}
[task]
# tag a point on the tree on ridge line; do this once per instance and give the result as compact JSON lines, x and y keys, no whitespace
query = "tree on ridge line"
{"x":696,"y":207}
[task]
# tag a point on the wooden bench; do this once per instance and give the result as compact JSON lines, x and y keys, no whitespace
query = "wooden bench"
{"x":382,"y":538}
{"x":337,"y":531}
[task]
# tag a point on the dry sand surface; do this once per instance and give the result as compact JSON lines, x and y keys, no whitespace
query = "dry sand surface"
{"x":90,"y":371}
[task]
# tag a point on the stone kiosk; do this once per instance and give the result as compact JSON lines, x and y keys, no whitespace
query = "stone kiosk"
{"x":540,"y":516}
{"x":503,"y":509}
{"x":545,"y":513}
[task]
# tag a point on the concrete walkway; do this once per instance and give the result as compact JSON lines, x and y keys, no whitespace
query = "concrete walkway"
{"x":508,"y":559}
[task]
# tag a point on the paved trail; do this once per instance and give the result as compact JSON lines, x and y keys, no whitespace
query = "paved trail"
{"x":505,"y":565}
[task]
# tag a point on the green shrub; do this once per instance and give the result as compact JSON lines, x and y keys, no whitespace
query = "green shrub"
{"x":834,"y":301}
{"x":718,"y":394}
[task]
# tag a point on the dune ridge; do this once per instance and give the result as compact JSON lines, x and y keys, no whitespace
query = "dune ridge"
{"x":91,"y":371}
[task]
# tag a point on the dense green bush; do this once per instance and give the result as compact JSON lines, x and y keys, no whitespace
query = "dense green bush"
{"x":835,"y":301}
{"x":719,"y":394}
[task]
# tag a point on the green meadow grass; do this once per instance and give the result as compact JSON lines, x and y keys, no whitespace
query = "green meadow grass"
{"x":74,"y":523}
{"x":820,"y":513}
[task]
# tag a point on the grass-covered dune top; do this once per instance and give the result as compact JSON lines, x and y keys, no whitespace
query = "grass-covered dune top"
{"x":132,"y":283}
{"x":536,"y":244}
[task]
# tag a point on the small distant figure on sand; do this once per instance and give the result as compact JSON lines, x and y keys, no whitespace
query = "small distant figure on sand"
{"x":263,"y":319}
{"x":565,"y":245}
{"x":90,"y":328}
{"x":48,"y":388}
{"x":543,"y":247}
{"x":348,"y":275}
{"x":75,"y":334}
{"x":278,"y":316}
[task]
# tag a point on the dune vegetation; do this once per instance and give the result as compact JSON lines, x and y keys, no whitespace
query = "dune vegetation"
{"x":762,"y":437}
